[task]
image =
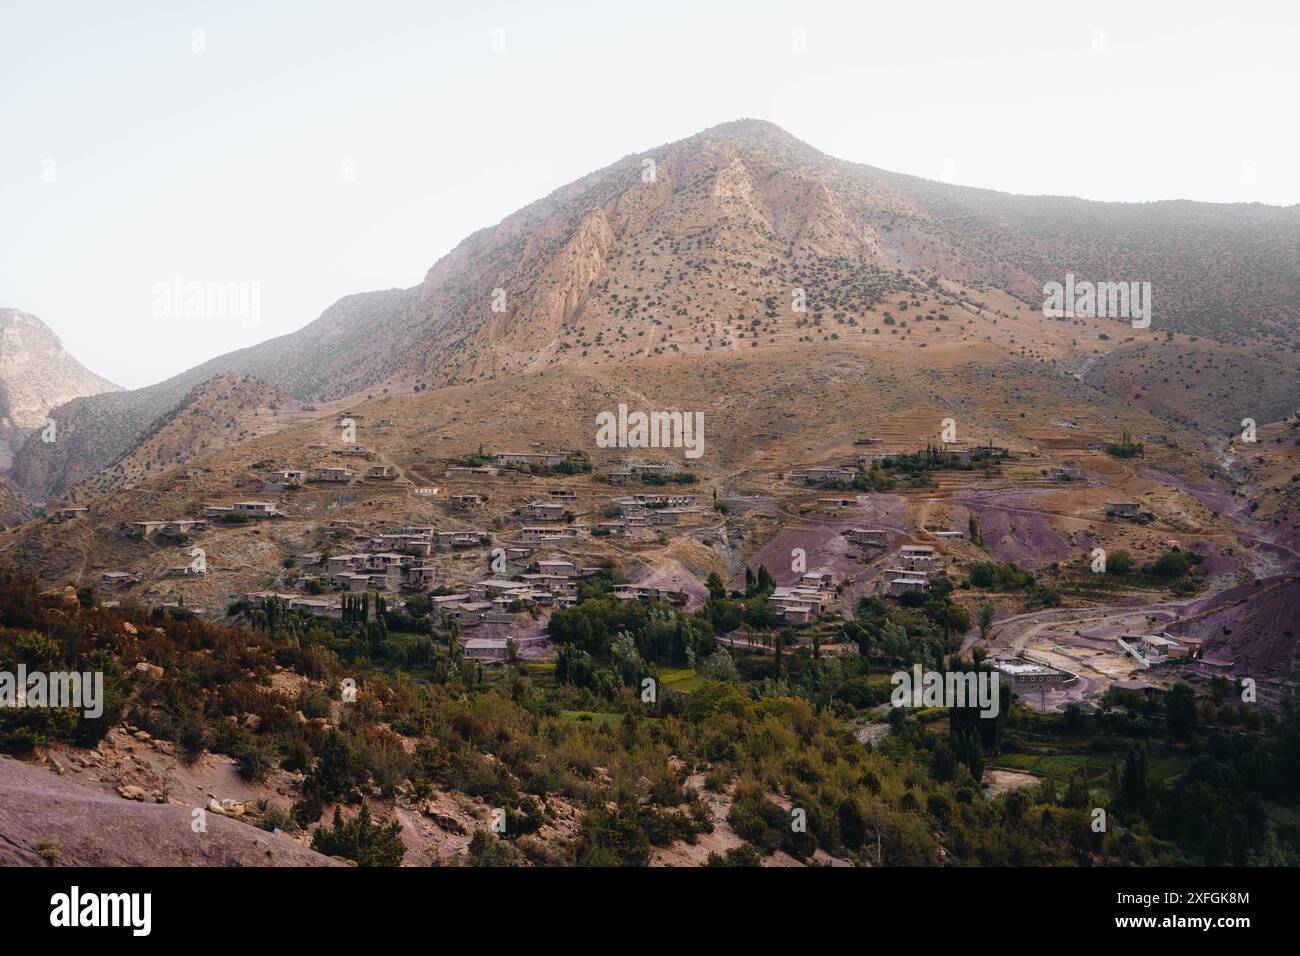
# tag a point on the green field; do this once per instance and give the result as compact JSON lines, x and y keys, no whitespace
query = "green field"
{"x":1164,"y":769}
{"x":599,"y":718}
{"x":680,"y":678}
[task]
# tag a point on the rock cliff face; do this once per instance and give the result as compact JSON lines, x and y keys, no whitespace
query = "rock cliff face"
{"x":36,"y":374}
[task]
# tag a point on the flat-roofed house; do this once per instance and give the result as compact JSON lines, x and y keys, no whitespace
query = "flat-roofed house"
{"x":918,"y":563}
{"x":1123,"y":509}
{"x":486,"y":648}
{"x":903,"y":583}
{"x":949,"y":535}
{"x":639,"y":469}
{"x":332,"y":475}
{"x":544,"y":533}
{"x":868,"y":536}
{"x":319,"y":607}
{"x":1065,"y":473}
{"x":66,"y":514}
{"x":469,"y":501}
{"x":359,"y":580}
{"x":288,"y":477}
{"x":527,"y":458}
{"x":810,"y":601}
{"x":1018,"y":672}
{"x":258,"y":509}
{"x":469,"y":613}
{"x":442,"y":602}
{"x":422,"y":577}
{"x":186,"y":570}
{"x":484,"y":590}
{"x":471,"y":471}
{"x":796,"y":613}
{"x":142,"y":529}
{"x":822,"y":474}
{"x":461,"y":539}
{"x":663,"y":500}
{"x":666,"y":516}
{"x":821,"y":578}
{"x":1157,"y":648}
{"x":918,"y":557}
{"x":381,"y":473}
{"x":544,"y":510}
{"x":553,"y":583}
{"x":182,"y":527}
{"x":118,"y":578}
{"x":340,"y":563}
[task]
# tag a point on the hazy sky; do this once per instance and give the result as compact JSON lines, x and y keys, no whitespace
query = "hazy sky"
{"x":311,"y":150}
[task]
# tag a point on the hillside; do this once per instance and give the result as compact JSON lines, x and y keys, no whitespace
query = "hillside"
{"x":223,"y":411}
{"x":47,"y":818}
{"x":15,"y":505}
{"x":36,"y":375}
{"x":745,"y":238}
{"x":96,"y":431}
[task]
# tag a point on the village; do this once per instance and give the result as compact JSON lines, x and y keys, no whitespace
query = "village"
{"x":506,"y":537}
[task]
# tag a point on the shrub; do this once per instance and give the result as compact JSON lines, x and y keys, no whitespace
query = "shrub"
{"x":361,"y":839}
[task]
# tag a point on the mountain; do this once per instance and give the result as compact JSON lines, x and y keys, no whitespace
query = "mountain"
{"x":223,"y":411}
{"x":36,"y":374}
{"x":709,"y":250}
{"x":95,"y":432}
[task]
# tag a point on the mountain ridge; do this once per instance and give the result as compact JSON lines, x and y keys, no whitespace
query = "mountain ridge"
{"x":674,"y":249}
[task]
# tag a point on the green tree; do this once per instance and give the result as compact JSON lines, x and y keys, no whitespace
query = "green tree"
{"x":361,"y":839}
{"x":1180,"y":711}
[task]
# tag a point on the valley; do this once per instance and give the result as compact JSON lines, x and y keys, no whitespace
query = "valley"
{"x":386,"y":561}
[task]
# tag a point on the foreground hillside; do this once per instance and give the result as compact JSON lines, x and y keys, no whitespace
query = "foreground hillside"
{"x":389,"y":747}
{"x":48,"y":819}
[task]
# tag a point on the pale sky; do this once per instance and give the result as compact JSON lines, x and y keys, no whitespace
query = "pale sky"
{"x":312,"y":150}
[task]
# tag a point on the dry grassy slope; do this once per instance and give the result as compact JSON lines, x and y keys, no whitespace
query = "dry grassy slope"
{"x":1270,"y":468}
{"x":766,"y":410}
{"x":743,"y":212}
{"x":15,"y":505}
{"x":616,"y":266}
{"x":225,"y":410}
{"x":1208,"y":385}
{"x":95,"y":431}
{"x":1226,"y":271}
